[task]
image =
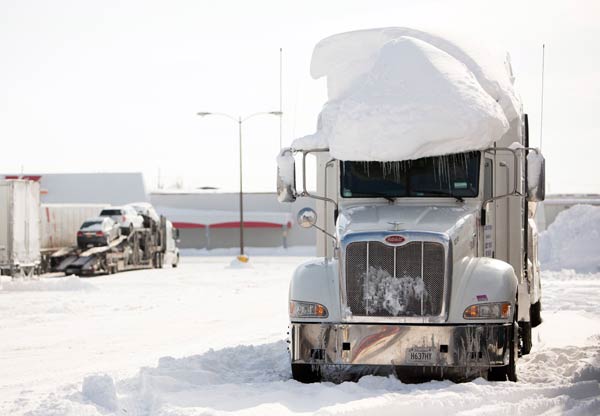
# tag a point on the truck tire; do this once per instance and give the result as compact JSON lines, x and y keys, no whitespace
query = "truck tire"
{"x":535,"y":313}
{"x":158,"y":261}
{"x":509,"y":371}
{"x":525,"y":337}
{"x":306,"y":373}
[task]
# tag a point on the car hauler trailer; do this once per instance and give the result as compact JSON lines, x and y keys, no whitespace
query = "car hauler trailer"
{"x":19,"y":227}
{"x":59,"y":226}
{"x":428,"y":267}
{"x":144,"y":248}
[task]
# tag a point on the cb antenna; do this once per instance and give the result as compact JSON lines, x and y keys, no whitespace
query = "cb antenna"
{"x":542,"y":98}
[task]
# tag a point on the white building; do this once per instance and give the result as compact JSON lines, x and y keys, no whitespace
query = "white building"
{"x":211,"y":219}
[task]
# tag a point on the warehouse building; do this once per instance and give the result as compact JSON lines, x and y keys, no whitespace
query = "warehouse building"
{"x":209,"y":220}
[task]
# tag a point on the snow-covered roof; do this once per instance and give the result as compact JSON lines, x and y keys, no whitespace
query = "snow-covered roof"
{"x":400,"y":94}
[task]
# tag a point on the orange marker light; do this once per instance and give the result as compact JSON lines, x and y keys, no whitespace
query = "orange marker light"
{"x":505,"y":310}
{"x":471,"y":312}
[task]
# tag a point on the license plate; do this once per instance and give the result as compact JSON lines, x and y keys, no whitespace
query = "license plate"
{"x":89,"y":234}
{"x":420,"y":355}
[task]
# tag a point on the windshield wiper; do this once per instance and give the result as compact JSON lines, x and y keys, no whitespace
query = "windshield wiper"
{"x":381,"y":195}
{"x":442,"y":192}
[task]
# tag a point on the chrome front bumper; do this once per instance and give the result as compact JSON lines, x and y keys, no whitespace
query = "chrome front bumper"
{"x":469,"y":346}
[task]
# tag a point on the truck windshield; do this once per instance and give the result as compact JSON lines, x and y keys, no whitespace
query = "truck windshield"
{"x":455,"y":175}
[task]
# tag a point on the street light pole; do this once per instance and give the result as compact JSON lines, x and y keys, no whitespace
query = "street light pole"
{"x":239,"y":120}
{"x":241,"y":194}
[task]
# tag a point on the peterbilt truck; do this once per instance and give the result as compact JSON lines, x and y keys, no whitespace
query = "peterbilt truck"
{"x":426,"y":268}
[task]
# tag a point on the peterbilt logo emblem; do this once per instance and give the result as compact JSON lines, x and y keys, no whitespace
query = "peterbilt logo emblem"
{"x":395,"y":239}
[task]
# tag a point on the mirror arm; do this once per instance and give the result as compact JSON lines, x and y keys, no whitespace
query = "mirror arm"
{"x":494,"y":198}
{"x":514,"y":192}
{"x":304,"y":191}
{"x":327,"y":234}
{"x":320,"y":198}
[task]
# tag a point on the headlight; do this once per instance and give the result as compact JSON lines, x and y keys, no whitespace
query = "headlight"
{"x":307,"y":310}
{"x":498,"y":310}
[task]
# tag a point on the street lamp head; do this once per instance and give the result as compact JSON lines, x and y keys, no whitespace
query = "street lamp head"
{"x":276,"y":113}
{"x":203,"y":113}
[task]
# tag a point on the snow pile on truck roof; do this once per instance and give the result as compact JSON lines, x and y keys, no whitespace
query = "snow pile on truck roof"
{"x":402,"y":94}
{"x":572,"y":241}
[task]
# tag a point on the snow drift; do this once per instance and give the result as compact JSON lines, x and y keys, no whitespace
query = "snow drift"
{"x":100,"y":389}
{"x":572,"y":241}
{"x":68,"y":283}
{"x":401,"y":94}
{"x":100,"y":355}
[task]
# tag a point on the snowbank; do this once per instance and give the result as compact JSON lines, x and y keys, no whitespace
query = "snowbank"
{"x":572,"y":241}
{"x":68,"y":283}
{"x":180,"y":314}
{"x":100,"y":389}
{"x":400,"y":94}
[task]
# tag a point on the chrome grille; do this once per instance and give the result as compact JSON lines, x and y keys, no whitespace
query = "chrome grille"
{"x":387,"y":281}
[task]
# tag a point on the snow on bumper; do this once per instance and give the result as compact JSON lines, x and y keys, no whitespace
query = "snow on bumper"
{"x":481,"y":346}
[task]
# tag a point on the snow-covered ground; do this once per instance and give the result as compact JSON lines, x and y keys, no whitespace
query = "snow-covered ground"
{"x":208,"y":338}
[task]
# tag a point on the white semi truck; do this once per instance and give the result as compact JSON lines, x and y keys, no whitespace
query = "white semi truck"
{"x":427,"y":268}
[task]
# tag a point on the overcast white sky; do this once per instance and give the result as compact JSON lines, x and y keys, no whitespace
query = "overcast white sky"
{"x":90,"y":86}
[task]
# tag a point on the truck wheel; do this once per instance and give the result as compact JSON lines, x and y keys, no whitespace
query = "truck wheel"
{"x":511,"y":368}
{"x":306,"y":373}
{"x":535,"y":313}
{"x":508,"y":372}
{"x":525,"y":337}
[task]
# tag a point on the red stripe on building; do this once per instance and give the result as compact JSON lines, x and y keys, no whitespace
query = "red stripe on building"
{"x":247,"y":224}
{"x":233,"y":224}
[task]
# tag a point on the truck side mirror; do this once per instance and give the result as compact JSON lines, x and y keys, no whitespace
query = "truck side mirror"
{"x":307,"y":217}
{"x":536,"y":177}
{"x":286,"y":176}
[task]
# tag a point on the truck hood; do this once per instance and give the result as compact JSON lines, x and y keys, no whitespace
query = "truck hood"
{"x":439,"y":219}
